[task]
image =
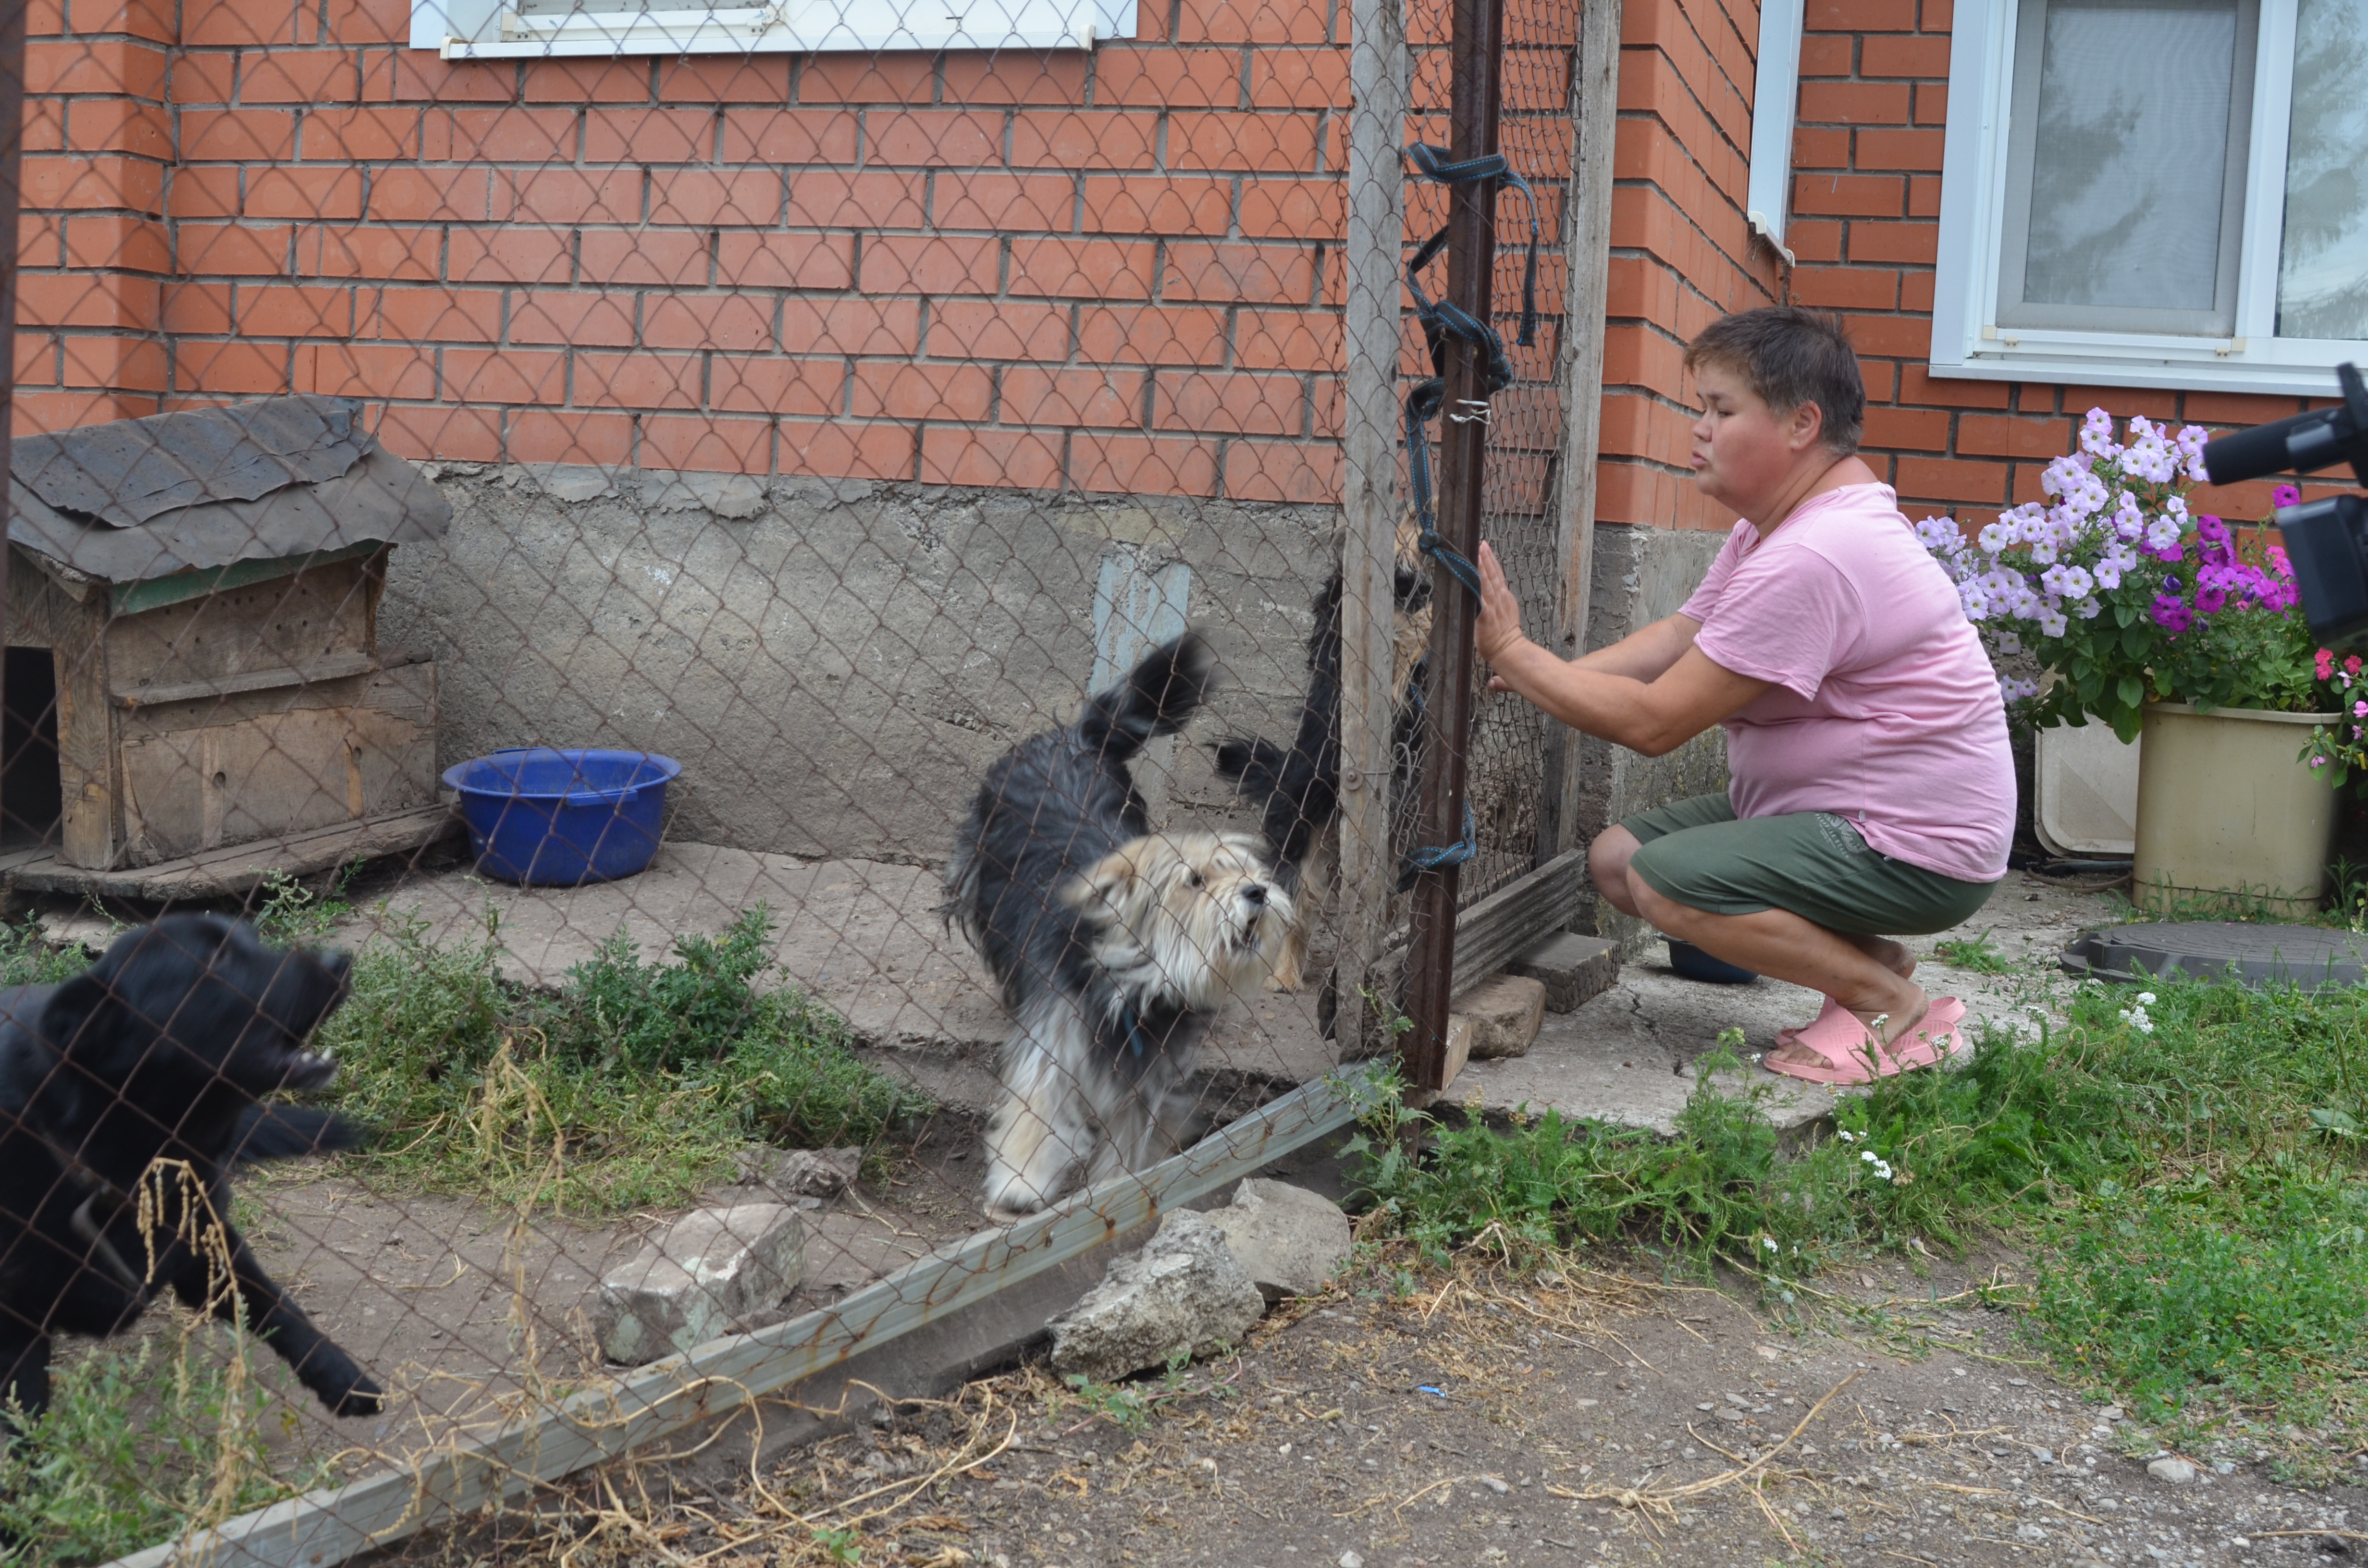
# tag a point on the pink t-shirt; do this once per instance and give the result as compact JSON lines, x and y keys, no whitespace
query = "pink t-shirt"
{"x":1884,"y":710}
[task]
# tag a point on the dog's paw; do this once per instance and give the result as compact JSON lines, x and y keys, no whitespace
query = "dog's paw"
{"x":360,"y":1397}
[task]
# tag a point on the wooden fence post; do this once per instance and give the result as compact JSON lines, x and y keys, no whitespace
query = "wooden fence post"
{"x":1378,"y":85}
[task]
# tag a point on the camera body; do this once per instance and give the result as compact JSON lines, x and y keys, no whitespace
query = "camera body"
{"x":2327,"y":540}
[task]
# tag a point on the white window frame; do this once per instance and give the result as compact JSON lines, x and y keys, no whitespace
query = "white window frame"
{"x":1968,"y":343}
{"x":497,"y":30}
{"x":1775,"y":101}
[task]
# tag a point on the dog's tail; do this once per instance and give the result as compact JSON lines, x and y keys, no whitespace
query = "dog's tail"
{"x":1254,"y":762}
{"x":1156,"y":699}
{"x":290,"y":1133}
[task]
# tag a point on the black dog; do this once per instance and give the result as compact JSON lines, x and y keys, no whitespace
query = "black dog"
{"x":1298,"y":790}
{"x":160,"y":1051}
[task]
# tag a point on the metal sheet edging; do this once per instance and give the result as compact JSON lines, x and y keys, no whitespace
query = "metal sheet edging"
{"x":328,"y":1526}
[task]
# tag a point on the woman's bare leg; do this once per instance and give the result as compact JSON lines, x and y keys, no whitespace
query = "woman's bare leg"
{"x":1869,"y":975}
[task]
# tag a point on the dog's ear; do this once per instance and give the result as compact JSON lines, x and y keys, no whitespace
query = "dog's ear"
{"x":1105,"y":887}
{"x":77,"y":1019}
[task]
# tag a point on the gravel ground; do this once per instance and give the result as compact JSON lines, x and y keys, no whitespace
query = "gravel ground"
{"x":1485,"y":1420}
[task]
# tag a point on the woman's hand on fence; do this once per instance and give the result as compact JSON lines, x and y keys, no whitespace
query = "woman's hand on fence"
{"x":1498,"y":628}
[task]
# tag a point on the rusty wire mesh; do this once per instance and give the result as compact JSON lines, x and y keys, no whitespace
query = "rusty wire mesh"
{"x":1519,"y":517}
{"x":826,"y":417}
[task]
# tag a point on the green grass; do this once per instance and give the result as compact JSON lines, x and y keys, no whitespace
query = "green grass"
{"x":1974,"y":953}
{"x":2190,"y":1177}
{"x":636,"y":1085}
{"x":26,"y":957}
{"x":141,"y":1437}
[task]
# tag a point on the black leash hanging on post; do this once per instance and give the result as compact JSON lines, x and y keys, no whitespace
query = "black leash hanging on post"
{"x":1441,"y":322}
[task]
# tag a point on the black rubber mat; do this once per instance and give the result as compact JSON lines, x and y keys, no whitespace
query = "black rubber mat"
{"x":2259,"y":955}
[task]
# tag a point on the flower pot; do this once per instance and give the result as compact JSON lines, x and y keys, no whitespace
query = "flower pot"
{"x":2227,"y":808}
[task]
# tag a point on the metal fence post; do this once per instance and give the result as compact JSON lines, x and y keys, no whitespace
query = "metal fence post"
{"x":1471,"y":260}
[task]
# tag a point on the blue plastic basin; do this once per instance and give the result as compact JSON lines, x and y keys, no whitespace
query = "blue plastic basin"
{"x":1695,"y":964}
{"x":551,"y":818}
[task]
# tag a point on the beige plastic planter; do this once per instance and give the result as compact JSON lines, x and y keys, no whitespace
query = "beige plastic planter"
{"x":2226,"y":807}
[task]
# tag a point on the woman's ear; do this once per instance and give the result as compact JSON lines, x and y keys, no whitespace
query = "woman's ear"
{"x":1806,"y":427}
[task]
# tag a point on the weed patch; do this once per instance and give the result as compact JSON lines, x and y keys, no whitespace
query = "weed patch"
{"x":2185,"y":1164}
{"x":140,"y":1438}
{"x":1975,"y":953}
{"x":636,"y":1085}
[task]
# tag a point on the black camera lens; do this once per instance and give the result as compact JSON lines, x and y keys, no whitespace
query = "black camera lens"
{"x":2327,"y":542}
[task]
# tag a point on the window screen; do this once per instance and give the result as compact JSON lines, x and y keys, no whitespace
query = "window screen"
{"x":2125,"y":172}
{"x":2323,"y":269}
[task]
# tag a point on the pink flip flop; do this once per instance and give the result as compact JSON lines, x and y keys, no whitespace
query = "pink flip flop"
{"x":1824,"y":1020}
{"x":1852,"y":1055}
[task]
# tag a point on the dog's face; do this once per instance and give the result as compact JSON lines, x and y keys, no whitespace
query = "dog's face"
{"x":198,"y":1004}
{"x":1191,"y":916}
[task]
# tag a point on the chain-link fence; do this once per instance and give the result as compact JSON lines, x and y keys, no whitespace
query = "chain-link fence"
{"x":716,"y":555}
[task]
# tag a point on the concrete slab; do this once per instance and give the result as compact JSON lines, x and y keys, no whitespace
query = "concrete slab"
{"x":862,"y":937}
{"x":1628,"y":1057}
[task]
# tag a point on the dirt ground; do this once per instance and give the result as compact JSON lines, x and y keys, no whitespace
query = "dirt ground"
{"x":1479,"y":1418}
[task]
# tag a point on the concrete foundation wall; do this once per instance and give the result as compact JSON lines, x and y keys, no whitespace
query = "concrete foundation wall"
{"x":836,"y":663}
{"x":1641,"y":576}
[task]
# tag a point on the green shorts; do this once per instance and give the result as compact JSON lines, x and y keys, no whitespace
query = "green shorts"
{"x":1814,"y":864}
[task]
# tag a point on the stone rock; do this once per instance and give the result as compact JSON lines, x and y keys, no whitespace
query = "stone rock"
{"x":706,"y":1273}
{"x":1574,"y":970}
{"x":2172,"y":1471}
{"x":1287,"y":1239}
{"x":1184,"y":1293}
{"x":1459,"y":1031}
{"x":800,"y":1173}
{"x":1506,"y":1011}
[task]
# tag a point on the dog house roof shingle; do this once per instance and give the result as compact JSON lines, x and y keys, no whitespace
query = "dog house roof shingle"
{"x":267,"y":479}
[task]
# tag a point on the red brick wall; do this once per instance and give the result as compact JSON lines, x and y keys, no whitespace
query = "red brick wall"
{"x":1115,"y":271}
{"x":1864,"y":229}
{"x":1681,"y":251}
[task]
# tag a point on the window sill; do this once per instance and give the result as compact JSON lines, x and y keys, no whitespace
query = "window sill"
{"x":487,"y":29}
{"x":2288,"y":376}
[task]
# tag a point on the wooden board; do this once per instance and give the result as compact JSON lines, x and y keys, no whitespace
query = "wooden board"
{"x":229,"y":872}
{"x":1501,"y":927}
{"x":1370,"y":501}
{"x":333,"y":666}
{"x":1587,"y":242}
{"x":275,"y":624}
{"x":203,"y":774}
{"x":604,"y":1422}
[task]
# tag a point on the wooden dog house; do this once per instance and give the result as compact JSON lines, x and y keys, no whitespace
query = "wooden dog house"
{"x":195,"y":693}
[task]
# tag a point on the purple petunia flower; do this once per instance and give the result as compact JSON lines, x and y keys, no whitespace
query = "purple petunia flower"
{"x":2285,"y":495}
{"x":2171,"y":613}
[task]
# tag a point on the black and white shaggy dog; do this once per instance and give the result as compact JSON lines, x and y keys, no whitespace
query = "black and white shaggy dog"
{"x":1297,"y":791}
{"x":1113,"y":946}
{"x":145,"y":1072}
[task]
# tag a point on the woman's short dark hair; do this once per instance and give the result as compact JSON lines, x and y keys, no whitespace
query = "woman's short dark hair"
{"x":1789,"y":355}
